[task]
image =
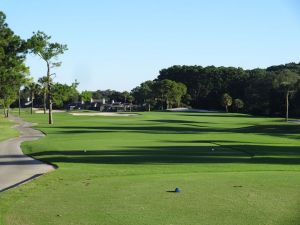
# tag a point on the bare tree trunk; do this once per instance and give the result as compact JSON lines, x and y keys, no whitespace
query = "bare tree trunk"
{"x":287,"y":107}
{"x":49,"y":94}
{"x":6,"y":112}
{"x":19,"y":102}
{"x":149,"y":107}
{"x":226,"y":108}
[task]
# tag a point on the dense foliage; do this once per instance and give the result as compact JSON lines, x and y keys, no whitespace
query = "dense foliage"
{"x":163,"y":94}
{"x":262,"y":91}
{"x":12,"y":68}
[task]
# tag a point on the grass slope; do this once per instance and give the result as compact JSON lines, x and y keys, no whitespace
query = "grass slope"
{"x":231,"y":168}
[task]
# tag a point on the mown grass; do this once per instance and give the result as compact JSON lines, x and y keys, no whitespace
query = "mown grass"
{"x":231,"y":168}
{"x":6,"y":129}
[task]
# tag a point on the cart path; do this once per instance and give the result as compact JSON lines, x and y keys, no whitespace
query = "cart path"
{"x":15,"y":167}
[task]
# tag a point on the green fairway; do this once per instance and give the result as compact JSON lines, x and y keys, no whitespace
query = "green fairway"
{"x":232,"y":169}
{"x":6,"y":130}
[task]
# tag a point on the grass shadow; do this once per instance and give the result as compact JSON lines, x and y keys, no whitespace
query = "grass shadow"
{"x":277,"y":130}
{"x":253,"y":154}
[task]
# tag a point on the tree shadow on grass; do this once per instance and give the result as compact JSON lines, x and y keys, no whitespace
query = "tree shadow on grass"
{"x":282,"y":129}
{"x":228,"y":115}
{"x":177,"y":121}
{"x":139,"y":129}
{"x":252,"y":154}
{"x":277,"y":130}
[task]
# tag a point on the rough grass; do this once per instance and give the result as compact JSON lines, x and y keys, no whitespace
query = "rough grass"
{"x":231,"y":168}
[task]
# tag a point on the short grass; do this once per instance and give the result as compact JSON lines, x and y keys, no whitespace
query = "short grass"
{"x":232,"y":169}
{"x":6,"y":129}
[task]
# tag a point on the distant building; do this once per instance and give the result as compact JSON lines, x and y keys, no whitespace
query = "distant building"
{"x":102,"y":106}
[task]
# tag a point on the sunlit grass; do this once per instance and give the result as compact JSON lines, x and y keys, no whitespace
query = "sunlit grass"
{"x":231,"y":168}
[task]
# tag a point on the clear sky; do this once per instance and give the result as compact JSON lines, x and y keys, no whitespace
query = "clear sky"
{"x":117,"y":44}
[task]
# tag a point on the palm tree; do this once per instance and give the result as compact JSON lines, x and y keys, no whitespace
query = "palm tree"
{"x":34,"y":89}
{"x":226,"y":101}
{"x":287,"y":82}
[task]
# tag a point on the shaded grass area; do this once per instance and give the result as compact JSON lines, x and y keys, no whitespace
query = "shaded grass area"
{"x":231,"y":168}
{"x":186,"y":154}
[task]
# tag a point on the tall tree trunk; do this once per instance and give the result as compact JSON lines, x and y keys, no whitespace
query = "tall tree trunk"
{"x":49,"y":94}
{"x":226,"y":108}
{"x":149,"y":107}
{"x":19,"y":102}
{"x":45,"y":101}
{"x":287,"y":107}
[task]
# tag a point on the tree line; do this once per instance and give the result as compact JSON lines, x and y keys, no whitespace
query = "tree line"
{"x":271,"y":91}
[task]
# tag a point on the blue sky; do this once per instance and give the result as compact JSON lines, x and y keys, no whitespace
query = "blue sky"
{"x":117,"y":44}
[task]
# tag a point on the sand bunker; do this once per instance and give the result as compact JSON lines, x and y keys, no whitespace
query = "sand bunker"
{"x":190,"y":110}
{"x":54,"y":111}
{"x":103,"y":114}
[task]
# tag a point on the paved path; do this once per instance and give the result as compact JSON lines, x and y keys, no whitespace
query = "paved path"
{"x":15,"y":167}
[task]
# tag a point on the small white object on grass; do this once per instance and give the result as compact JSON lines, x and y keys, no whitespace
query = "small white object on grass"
{"x":212,"y":149}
